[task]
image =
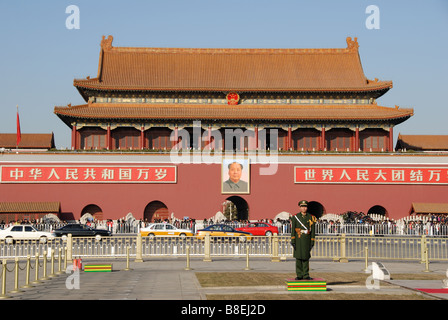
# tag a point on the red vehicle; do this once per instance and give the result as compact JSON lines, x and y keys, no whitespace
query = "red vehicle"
{"x":259,"y":229}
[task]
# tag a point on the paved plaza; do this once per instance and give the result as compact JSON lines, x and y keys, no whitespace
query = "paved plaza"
{"x":167,"y":279}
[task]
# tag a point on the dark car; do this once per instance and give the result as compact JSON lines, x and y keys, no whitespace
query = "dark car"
{"x":80,"y":230}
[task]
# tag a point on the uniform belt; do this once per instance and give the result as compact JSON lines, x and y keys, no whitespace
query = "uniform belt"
{"x":301,"y":223}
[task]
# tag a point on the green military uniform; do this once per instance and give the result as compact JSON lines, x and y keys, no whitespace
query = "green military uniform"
{"x":302,"y":240}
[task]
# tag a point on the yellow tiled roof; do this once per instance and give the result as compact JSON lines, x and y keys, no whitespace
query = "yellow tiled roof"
{"x":28,"y":140}
{"x":22,"y":207}
{"x":240,"y":70}
{"x":237,"y":112}
{"x":423,"y":142}
{"x":418,"y":207}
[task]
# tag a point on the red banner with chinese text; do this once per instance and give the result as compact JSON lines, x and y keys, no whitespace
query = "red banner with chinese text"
{"x":371,"y":175}
{"x":88,"y":174}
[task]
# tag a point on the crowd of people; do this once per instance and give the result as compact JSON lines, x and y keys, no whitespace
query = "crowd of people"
{"x":350,"y":222}
{"x":355,"y":222}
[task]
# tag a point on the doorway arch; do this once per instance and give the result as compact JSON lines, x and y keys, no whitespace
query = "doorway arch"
{"x":379,"y":210}
{"x":316,"y":208}
{"x":155,"y":211}
{"x":242,"y":208}
{"x":95,"y":211}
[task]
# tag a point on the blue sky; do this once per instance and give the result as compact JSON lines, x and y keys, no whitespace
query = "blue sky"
{"x":40,"y":57}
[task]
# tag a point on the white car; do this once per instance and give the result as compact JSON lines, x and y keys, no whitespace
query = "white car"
{"x":24,"y":232}
{"x":164,"y":229}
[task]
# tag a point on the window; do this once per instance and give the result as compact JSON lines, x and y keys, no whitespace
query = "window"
{"x":373,"y":140}
{"x":307,"y":143}
{"x":93,"y":138}
{"x":17,"y":229}
{"x":339,"y":139}
{"x":126,"y":138}
{"x":282,"y":140}
{"x":343,"y":143}
{"x":127,"y":142}
{"x":305,"y":139}
{"x":158,"y":138}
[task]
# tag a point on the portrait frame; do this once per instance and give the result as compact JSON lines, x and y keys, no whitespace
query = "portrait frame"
{"x":243,"y":186}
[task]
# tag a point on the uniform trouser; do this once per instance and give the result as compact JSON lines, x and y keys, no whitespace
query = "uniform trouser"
{"x":302,"y":268}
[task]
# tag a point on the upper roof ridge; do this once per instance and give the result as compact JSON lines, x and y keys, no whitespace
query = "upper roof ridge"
{"x":106,"y":45}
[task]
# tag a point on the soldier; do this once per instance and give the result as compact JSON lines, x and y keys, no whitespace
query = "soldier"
{"x":302,"y":239}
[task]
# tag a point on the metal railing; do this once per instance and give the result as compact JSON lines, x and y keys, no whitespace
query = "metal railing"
{"x":335,"y":247}
{"x":380,"y":229}
{"x":284,"y":228}
{"x":43,"y":267}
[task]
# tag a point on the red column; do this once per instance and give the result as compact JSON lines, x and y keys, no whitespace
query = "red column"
{"x":357,"y":139}
{"x":176,"y":139}
{"x":108,"y":140}
{"x":74,"y":146}
{"x":289,"y":138}
{"x":142,"y":138}
{"x":209,"y":137}
{"x":391,"y":139}
{"x":322,"y":139}
{"x":256,"y":138}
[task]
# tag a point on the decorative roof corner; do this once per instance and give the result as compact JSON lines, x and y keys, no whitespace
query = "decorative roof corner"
{"x":106,"y":43}
{"x":352,"y":45}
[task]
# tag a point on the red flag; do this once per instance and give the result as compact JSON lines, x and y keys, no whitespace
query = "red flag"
{"x":19,"y":134}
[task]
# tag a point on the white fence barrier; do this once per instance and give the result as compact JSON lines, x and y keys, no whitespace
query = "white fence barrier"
{"x":284,"y":228}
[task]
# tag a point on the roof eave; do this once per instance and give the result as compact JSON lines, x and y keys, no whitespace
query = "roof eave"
{"x":68,"y":119}
{"x":380,"y":90}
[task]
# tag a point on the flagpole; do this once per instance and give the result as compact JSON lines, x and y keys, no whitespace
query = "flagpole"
{"x":17,"y":131}
{"x":19,"y":134}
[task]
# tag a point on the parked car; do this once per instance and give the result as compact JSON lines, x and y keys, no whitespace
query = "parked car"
{"x":24,"y":232}
{"x":164,"y":229}
{"x":259,"y":229}
{"x":225,"y":231}
{"x":81,"y":230}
